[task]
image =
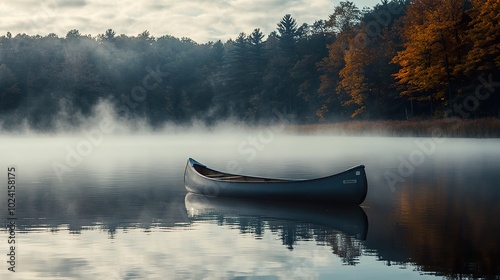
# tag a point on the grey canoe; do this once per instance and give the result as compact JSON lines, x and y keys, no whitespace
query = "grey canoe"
{"x":347,"y":187}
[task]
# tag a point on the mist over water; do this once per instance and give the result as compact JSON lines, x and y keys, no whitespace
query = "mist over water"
{"x":96,"y":200}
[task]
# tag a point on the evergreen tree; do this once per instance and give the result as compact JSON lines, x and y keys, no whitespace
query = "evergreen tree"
{"x":288,"y":33}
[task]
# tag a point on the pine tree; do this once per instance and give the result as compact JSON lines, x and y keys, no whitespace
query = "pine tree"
{"x":288,"y":33}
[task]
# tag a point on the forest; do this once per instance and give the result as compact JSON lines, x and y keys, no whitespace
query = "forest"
{"x":399,"y":60}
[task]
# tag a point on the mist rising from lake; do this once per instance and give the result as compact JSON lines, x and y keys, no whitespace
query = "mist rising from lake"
{"x":124,"y":191}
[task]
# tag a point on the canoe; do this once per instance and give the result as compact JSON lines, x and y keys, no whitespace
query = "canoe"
{"x":347,"y":187}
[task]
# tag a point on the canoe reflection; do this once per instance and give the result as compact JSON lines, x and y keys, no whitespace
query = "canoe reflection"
{"x":343,"y":228}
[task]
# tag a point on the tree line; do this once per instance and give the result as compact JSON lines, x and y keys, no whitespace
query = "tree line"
{"x":398,"y":60}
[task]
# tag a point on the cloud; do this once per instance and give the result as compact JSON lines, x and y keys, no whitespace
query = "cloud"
{"x":200,"y":20}
{"x":71,"y":3}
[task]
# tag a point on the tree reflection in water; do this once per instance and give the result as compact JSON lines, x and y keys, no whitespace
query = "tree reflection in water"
{"x":343,"y":229}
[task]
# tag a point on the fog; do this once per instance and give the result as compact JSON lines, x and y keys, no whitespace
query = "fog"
{"x":110,"y":148}
{"x":111,"y":184}
{"x":123,"y":190}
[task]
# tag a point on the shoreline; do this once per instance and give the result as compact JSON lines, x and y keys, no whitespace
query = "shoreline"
{"x":451,"y":128}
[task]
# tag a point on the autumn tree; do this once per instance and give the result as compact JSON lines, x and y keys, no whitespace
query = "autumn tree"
{"x":483,"y":57}
{"x":484,"y":37}
{"x":366,"y":76}
{"x":433,"y":47}
{"x":343,"y":22}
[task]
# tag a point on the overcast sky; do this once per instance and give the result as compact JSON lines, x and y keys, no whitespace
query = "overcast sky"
{"x":200,"y":20}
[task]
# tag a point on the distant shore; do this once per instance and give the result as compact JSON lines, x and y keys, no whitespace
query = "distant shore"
{"x":455,"y":128}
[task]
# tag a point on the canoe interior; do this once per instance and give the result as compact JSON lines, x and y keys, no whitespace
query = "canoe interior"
{"x":221,"y":176}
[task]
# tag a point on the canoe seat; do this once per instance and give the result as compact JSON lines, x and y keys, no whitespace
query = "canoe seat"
{"x":231,"y":177}
{"x":224,"y":176}
{"x":215,"y":175}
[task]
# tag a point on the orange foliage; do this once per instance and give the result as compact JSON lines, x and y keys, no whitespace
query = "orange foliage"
{"x":484,"y":36}
{"x":432,"y":47}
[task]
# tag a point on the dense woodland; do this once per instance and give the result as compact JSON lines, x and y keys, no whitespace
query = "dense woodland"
{"x":398,"y":60}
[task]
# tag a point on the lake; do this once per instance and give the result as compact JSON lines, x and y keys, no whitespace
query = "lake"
{"x":93,"y":206}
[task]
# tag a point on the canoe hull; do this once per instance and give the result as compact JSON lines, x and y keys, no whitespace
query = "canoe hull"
{"x":348,"y":187}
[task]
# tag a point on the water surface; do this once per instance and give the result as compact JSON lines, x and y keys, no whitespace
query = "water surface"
{"x":119,"y":209}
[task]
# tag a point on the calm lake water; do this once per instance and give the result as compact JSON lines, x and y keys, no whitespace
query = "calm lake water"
{"x":115,"y":207}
